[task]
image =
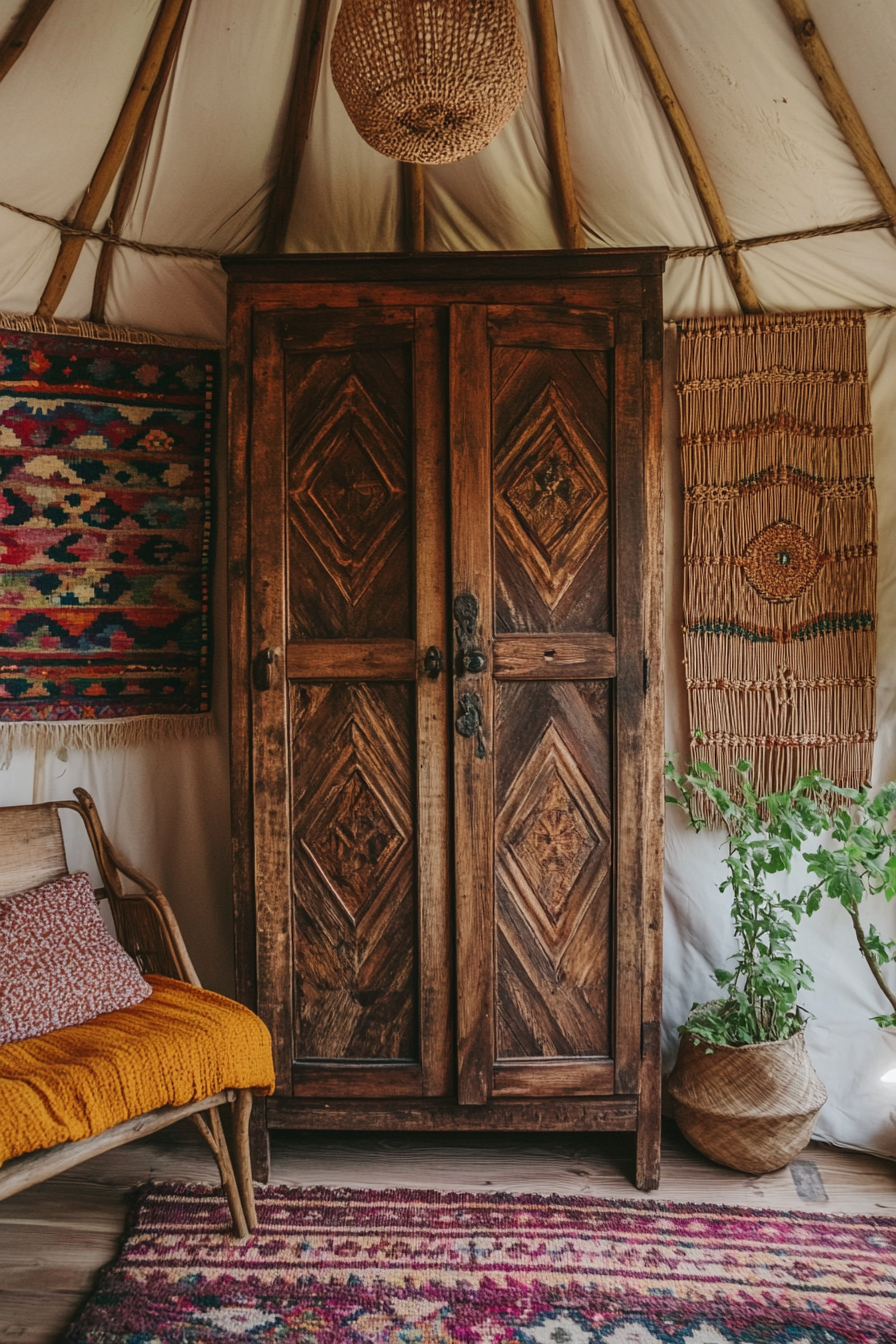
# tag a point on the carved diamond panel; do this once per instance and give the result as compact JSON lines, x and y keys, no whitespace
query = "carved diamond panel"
{"x":553,"y":842}
{"x":552,"y":494}
{"x":357,"y":826}
{"x":348,"y":488}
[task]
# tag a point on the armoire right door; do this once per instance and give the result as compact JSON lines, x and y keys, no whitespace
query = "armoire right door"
{"x":549,"y":666}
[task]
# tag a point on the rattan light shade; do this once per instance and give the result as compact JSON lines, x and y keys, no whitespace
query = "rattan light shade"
{"x":429,"y":81}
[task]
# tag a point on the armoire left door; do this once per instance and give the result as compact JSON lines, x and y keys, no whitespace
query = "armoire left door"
{"x":350,"y":701}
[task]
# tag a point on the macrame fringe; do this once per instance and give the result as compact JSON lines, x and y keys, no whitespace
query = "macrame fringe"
{"x":780,"y":565}
{"x":101,"y":331}
{"x":101,"y":734}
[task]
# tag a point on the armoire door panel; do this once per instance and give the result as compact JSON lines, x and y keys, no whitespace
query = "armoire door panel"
{"x":554,"y":1078}
{"x":550,"y":657}
{"x":349,"y":493}
{"x":554,"y":869}
{"x":549,"y":328}
{"x":354,"y":870}
{"x":552,"y":492}
{"x":359,"y":659}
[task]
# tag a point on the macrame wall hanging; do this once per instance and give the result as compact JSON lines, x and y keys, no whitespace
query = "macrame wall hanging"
{"x":780,"y":545}
{"x":429,"y":81}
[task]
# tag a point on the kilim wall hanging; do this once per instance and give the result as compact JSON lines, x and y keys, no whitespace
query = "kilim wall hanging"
{"x":105,"y":522}
{"x":780,"y":541}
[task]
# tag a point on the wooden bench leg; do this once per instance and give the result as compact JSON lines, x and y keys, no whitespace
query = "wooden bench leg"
{"x":242,"y":1114}
{"x":214,"y":1137}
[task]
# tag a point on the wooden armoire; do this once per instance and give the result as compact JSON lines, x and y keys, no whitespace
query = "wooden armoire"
{"x":446,"y":694}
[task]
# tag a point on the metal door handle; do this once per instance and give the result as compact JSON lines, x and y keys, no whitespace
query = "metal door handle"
{"x":263,"y":669}
{"x":469,"y":722}
{"x":470,"y":658}
{"x":433,"y":662}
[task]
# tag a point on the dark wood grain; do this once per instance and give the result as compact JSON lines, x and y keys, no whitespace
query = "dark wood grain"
{"x":648,"y":1146}
{"x":239,"y":365}
{"x":542,"y":873}
{"x":267,"y":626}
{"x":349,"y":479}
{"x":631,"y":566}
{"x":548,"y":328}
{"x":552,"y":657}
{"x":471,"y":532}
{"x":434,"y":876}
{"x":551,"y":489}
{"x":358,"y":659}
{"x":554,"y":1078}
{"x":501,"y":1114}
{"x":554,"y":868}
{"x":353,"y":871}
{"x":356,"y":1078}
{"x":525,"y":269}
{"x":334,"y":330}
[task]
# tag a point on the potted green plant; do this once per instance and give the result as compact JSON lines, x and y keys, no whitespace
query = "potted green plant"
{"x":743,"y":1089}
{"x":861,"y":862}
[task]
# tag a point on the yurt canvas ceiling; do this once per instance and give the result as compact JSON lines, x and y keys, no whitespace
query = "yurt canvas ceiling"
{"x":780,"y":165}
{"x":772,"y":147}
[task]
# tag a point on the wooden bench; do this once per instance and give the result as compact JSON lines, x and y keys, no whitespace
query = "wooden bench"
{"x":32,"y":852}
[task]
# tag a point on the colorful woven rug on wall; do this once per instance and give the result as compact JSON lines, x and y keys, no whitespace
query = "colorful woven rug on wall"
{"x":332,"y":1266}
{"x":105,"y":519}
{"x":780,"y":545}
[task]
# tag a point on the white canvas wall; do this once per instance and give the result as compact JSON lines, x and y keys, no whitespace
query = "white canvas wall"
{"x":780,"y":164}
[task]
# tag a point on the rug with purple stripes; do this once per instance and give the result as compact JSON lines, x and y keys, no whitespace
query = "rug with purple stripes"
{"x":331,"y":1266}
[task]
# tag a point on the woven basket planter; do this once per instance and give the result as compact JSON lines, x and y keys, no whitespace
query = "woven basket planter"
{"x":750,"y":1107}
{"x":428,"y":81}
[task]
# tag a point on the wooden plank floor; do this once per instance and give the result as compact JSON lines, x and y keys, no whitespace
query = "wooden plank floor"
{"x":56,"y":1237}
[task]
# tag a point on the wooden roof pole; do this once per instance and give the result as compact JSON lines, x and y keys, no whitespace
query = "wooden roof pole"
{"x":414,"y":206}
{"x":548,"y":56}
{"x":113,"y":156}
{"x":133,"y":166}
{"x":840,"y":104}
{"x":20,"y":34}
{"x":298,"y":120}
{"x":705,"y":187}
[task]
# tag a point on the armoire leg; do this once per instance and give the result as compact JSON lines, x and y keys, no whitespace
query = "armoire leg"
{"x":648,"y":1143}
{"x":260,"y":1144}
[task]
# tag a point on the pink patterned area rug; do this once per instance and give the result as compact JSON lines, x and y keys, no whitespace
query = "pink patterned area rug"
{"x":333,"y":1266}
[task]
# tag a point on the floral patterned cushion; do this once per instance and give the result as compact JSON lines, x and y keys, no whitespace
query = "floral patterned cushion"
{"x":58,"y":965}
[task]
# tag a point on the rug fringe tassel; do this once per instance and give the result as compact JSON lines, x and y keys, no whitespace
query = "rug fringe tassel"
{"x":101,"y":735}
{"x":101,"y":331}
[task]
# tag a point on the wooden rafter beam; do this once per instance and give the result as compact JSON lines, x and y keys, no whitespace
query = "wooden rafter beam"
{"x":298,"y":121}
{"x":133,"y":166}
{"x":840,"y":104}
{"x":693,"y":157}
{"x":113,"y":155}
{"x":548,"y":56}
{"x":414,"y":206}
{"x":20,"y":34}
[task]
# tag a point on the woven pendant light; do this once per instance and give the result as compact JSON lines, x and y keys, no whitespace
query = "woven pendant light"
{"x":429,"y":81}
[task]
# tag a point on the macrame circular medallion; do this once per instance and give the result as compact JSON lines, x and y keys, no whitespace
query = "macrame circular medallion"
{"x":782,"y":561}
{"x":428,"y":81}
